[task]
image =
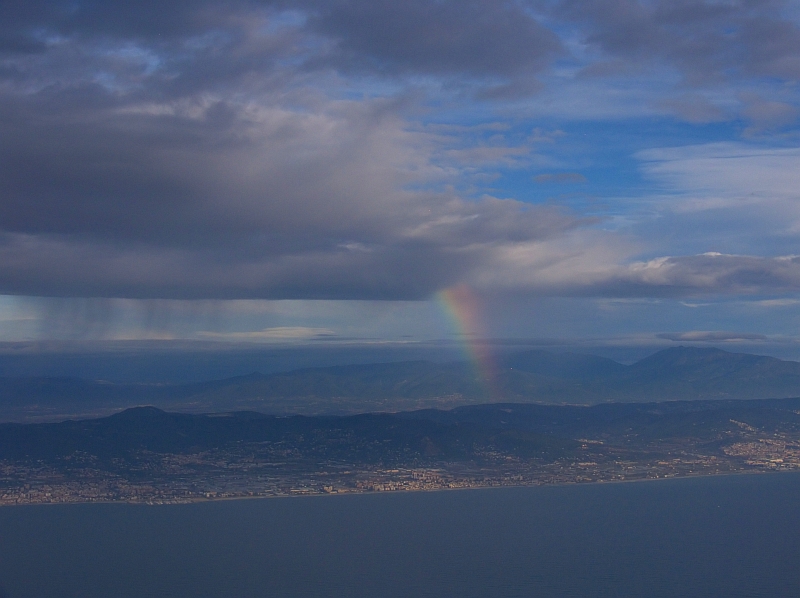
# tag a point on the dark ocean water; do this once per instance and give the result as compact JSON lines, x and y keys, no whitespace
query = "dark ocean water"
{"x":723,"y":536}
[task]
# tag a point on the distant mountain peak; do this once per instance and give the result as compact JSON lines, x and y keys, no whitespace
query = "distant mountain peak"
{"x":689,"y":350}
{"x":141,"y":412}
{"x":683,"y":354}
{"x":675,"y":373}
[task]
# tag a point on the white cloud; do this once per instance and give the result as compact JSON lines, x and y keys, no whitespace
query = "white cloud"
{"x":713,"y":336}
{"x":733,"y":171}
{"x":278,"y":333}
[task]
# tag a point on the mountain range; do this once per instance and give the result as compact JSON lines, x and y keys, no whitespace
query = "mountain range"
{"x":134,"y":442}
{"x":675,"y":374}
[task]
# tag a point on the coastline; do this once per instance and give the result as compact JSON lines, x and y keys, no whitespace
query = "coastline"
{"x":362,"y":492}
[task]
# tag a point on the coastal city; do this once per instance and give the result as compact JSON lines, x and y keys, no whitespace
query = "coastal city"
{"x":226,"y":474}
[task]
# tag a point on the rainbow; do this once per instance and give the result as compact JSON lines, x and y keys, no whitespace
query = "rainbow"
{"x":465,"y":310}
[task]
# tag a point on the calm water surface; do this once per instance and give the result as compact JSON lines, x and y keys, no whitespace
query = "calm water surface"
{"x":723,"y":536}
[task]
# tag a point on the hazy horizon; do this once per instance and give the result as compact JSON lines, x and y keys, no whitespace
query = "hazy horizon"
{"x":179,"y":362}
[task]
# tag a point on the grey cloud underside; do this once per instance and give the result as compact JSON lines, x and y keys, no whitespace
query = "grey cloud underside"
{"x":203,"y":149}
{"x":152,"y":152}
{"x":707,"y":41}
{"x":709,"y":274}
{"x":469,"y":36}
{"x":48,"y":267}
{"x":485,"y":39}
{"x":570,"y":273}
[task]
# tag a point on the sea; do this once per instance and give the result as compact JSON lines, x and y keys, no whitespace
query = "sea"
{"x":724,"y":536}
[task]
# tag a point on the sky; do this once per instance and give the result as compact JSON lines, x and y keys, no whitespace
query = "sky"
{"x":306,"y":171}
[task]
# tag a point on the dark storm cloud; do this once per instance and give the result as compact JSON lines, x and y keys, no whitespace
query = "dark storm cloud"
{"x":224,"y":200}
{"x":475,"y":37}
{"x":181,"y":151}
{"x":493,"y":49}
{"x":213,"y":171}
{"x":37,"y":266}
{"x":146,"y":19}
{"x":707,"y":40}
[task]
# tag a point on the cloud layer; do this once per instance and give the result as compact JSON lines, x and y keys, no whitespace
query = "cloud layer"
{"x":349,"y":149}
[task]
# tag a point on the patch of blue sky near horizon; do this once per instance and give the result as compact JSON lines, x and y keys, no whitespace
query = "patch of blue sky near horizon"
{"x":639,"y":326}
{"x":18,"y":319}
{"x":625,"y":329}
{"x":640,"y":318}
{"x":249,"y":321}
{"x":759,"y":325}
